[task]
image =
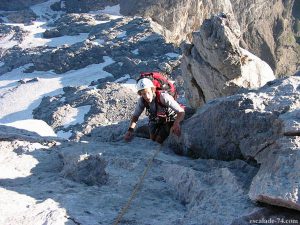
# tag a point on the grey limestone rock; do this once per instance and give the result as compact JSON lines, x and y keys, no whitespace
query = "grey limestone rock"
{"x":18,"y":4}
{"x":109,"y":105}
{"x":260,"y":125}
{"x":77,"y":6}
{"x":215,"y":65}
{"x":88,"y":169}
{"x":266,"y":26}
{"x":199,"y":190}
{"x":71,"y":24}
{"x":25,"y":16}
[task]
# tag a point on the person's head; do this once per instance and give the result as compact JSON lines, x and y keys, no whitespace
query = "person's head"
{"x":146,"y":89}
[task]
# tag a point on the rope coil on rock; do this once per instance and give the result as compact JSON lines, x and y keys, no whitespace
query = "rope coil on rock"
{"x":137,"y":187}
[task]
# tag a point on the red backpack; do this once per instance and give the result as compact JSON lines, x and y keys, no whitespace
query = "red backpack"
{"x":161,"y":83}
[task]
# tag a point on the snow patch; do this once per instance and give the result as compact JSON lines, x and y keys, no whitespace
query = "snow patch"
{"x":131,"y":84}
{"x":1,"y":63}
{"x":86,"y":75}
{"x":121,"y":35}
{"x":173,"y":55}
{"x":110,"y":10}
{"x":69,"y":40}
{"x":63,"y":134}
{"x":101,"y":21}
{"x":17,"y":101}
{"x":38,"y":126}
{"x":125,"y":77}
{"x":44,"y":11}
{"x":98,"y":42}
{"x":75,"y":116}
{"x":136,"y":51}
{"x":34,"y":38}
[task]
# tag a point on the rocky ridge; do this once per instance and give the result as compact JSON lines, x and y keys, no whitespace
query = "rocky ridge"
{"x":266,"y":26}
{"x":215,"y":65}
{"x":178,"y":19}
{"x":131,"y":43}
{"x":111,"y":97}
{"x":260,"y":126}
{"x":47,"y":180}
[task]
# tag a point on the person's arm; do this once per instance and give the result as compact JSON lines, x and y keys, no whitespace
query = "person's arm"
{"x":132,"y":123}
{"x":176,"y":125}
{"x":129,"y":134}
{"x":135,"y":116}
{"x":169,"y":101}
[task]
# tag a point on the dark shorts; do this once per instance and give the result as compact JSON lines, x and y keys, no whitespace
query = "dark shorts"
{"x":159,"y":129}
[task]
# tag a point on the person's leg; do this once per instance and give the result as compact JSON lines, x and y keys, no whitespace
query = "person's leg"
{"x":152,"y":137}
{"x":153,"y":129}
{"x":163,"y":132}
{"x":159,"y":140}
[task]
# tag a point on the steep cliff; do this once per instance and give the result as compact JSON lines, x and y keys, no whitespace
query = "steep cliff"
{"x":266,"y":25}
{"x":215,"y":65}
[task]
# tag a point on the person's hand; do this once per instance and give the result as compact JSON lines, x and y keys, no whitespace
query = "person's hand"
{"x":128,"y":136}
{"x":176,"y":129}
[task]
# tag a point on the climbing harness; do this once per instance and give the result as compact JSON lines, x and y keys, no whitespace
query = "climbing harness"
{"x":137,"y":187}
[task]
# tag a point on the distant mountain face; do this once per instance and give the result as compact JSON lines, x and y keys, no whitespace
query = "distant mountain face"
{"x":266,"y":25}
{"x":18,"y":4}
{"x":70,"y":6}
{"x":78,"y":6}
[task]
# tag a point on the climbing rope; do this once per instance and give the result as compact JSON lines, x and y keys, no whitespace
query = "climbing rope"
{"x":137,"y":187}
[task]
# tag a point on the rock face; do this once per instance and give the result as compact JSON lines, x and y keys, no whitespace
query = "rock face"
{"x":277,"y":181}
{"x":268,"y":33}
{"x":131,"y":43}
{"x":109,"y":105}
{"x":215,"y":65}
{"x":72,"y":24}
{"x":12,"y":32}
{"x":39,"y":171}
{"x":18,"y":4}
{"x":261,"y":125}
{"x":176,"y":190}
{"x":198,"y":190}
{"x":25,"y":16}
{"x":88,"y":169}
{"x":72,"y":6}
{"x":265,"y":26}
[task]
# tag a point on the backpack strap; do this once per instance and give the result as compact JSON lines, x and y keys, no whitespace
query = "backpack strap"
{"x":158,"y":101}
{"x":152,"y":116}
{"x":164,"y":113}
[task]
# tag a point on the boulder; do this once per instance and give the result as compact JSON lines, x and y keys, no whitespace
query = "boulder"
{"x":261,"y":126}
{"x":217,"y":66}
{"x":88,"y":169}
{"x":278,"y":180}
{"x":198,"y":188}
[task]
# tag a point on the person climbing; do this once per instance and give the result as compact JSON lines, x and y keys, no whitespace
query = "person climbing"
{"x":164,"y":112}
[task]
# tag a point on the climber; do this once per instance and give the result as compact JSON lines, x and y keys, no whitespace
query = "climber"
{"x":164,"y":113}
